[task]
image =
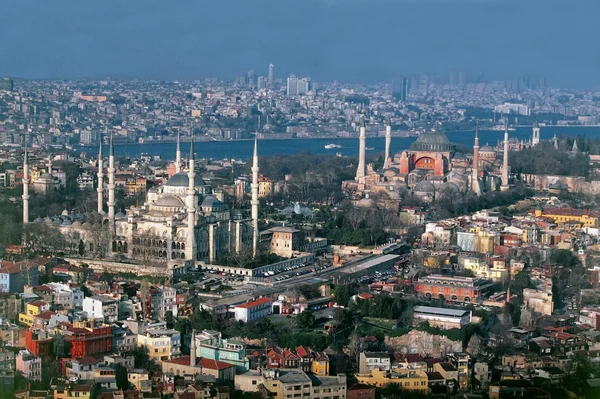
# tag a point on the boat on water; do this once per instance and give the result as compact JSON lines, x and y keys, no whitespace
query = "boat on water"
{"x":332,"y":146}
{"x":369,"y":148}
{"x":502,"y":127}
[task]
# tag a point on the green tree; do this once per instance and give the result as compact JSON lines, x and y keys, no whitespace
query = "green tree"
{"x":305,"y":320}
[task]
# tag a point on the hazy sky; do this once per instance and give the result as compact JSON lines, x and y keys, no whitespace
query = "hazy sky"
{"x":349,"y":40}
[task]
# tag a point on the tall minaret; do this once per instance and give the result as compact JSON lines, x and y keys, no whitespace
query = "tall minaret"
{"x":475,"y":168}
{"x":25,"y":186}
{"x":193,"y":349}
{"x":178,"y":155}
{"x":49,"y":165}
{"x":362,"y":167}
{"x":254,"y":201}
{"x":535,"y":140}
{"x":388,"y":145}
{"x":100,"y":188}
{"x":111,"y":187}
{"x":190,"y":249}
{"x":505,"y":162}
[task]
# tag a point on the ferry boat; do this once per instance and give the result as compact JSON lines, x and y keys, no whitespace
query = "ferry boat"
{"x":332,"y":146}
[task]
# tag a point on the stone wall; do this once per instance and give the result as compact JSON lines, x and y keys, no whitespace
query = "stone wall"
{"x":423,"y":343}
{"x":576,"y":184}
{"x":101,"y":266}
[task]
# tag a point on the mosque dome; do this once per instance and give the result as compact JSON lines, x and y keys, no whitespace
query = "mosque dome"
{"x":211,"y":202}
{"x":450,"y":188}
{"x":400,"y":185}
{"x":432,"y":141}
{"x":487,"y":148}
{"x":424,"y":187}
{"x":168,"y":201}
{"x":181,"y":179}
{"x":366,"y":203}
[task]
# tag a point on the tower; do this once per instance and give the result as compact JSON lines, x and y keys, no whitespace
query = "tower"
{"x":100,"y":188}
{"x":362,"y":167}
{"x":193,"y":349}
{"x":475,"y":169}
{"x":504,"y":186}
{"x":575,"y":148}
{"x":271,"y":75}
{"x":178,"y":155}
{"x":388,"y":145}
{"x":254,"y":201}
{"x":535,"y":139}
{"x":190,"y":248}
{"x":555,"y":142}
{"x":25,"y":187}
{"x":111,"y":187}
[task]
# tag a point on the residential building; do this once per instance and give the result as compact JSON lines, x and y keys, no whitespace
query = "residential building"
{"x":409,"y":380}
{"x":211,"y":345}
{"x":33,"y":309}
{"x":15,"y":276}
{"x":360,"y":391}
{"x":369,"y":361}
{"x":253,"y":310}
{"x":285,"y":241}
{"x":101,"y":307}
{"x":29,"y":365}
{"x":39,"y":343}
{"x":88,"y":338}
{"x":188,"y":365}
{"x":587,"y":218}
{"x":290,"y":383}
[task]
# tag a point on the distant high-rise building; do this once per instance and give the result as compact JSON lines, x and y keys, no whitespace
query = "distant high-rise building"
{"x":261,"y":83}
{"x":271,"y":75}
{"x":297,"y":86}
{"x":6,"y":83}
{"x":453,"y":80}
{"x":250,"y":79}
{"x":400,"y":88}
{"x":292,"y":85}
{"x":424,"y":82}
{"x":462,"y":78}
{"x":542,"y":83}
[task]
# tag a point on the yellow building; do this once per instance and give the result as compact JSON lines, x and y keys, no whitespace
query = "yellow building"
{"x":32,"y":309}
{"x":320,"y":366}
{"x":265,"y":187}
{"x":560,"y":215}
{"x":159,"y":345}
{"x":485,"y":242}
{"x":82,"y":391}
{"x":415,"y":381}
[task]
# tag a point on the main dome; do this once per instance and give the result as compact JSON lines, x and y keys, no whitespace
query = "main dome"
{"x":432,"y":141}
{"x":181,"y":180}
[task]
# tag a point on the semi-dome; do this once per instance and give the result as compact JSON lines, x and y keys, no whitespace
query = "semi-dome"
{"x":450,"y":188}
{"x":424,"y":187}
{"x":181,"y":179}
{"x":211,"y":202}
{"x":366,"y":203}
{"x":168,"y":201}
{"x":432,"y":141}
{"x":487,"y":148}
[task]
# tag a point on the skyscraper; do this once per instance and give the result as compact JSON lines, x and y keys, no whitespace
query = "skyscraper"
{"x":462,"y":79}
{"x":261,"y":83}
{"x":400,"y":88}
{"x":271,"y":75}
{"x":292,"y":85}
{"x":453,"y":80}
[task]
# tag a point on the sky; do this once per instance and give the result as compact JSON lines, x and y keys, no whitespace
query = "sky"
{"x":348,"y":40}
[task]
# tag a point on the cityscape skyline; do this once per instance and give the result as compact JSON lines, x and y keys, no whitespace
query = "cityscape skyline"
{"x":191,"y":41}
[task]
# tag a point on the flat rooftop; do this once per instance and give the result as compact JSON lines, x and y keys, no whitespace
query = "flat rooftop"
{"x":371,"y":263}
{"x":440,"y":311}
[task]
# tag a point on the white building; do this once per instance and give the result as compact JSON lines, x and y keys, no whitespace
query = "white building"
{"x":101,"y":307}
{"x":253,"y":310}
{"x":442,"y":317}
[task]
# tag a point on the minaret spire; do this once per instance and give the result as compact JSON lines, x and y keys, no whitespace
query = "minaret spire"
{"x":504,"y":186}
{"x":193,"y":349}
{"x":388,"y":145}
{"x":111,"y":187}
{"x":361,"y":171}
{"x":25,"y":186}
{"x":178,"y":155}
{"x":254,"y":202}
{"x":475,"y":175}
{"x":190,"y":249}
{"x":100,"y":188}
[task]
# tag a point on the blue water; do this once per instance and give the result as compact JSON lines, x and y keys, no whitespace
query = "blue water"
{"x":242,"y":150}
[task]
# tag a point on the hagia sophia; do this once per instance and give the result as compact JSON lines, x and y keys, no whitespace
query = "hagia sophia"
{"x":432,"y":167}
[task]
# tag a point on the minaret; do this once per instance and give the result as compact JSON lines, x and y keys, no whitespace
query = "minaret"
{"x":475,"y":167}
{"x":25,"y":186}
{"x":535,"y":140}
{"x":178,"y":155}
{"x":193,"y":349}
{"x":504,"y":186}
{"x":100,"y":188}
{"x":575,"y":148}
{"x":49,"y":165}
{"x":111,"y":187}
{"x":190,"y":249}
{"x":555,"y":142}
{"x":254,"y":202}
{"x":362,"y":167}
{"x":388,"y":145}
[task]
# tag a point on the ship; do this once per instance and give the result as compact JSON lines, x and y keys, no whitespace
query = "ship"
{"x":369,"y":148}
{"x":332,"y":146}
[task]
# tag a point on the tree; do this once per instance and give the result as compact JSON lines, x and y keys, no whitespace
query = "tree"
{"x":305,"y":320}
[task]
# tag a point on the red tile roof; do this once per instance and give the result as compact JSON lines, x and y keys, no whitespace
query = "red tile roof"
{"x":257,"y":302}
{"x":202,"y":362}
